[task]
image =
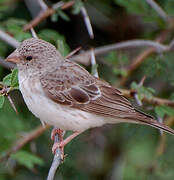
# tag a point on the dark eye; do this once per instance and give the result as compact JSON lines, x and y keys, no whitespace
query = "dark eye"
{"x":29,"y":58}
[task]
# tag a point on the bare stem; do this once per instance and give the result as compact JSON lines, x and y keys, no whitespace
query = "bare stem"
{"x":56,"y":161}
{"x":8,"y":39}
{"x":158,"y":9}
{"x":27,"y":138}
{"x":156,"y":46}
{"x":87,"y":22}
{"x":153,"y":100}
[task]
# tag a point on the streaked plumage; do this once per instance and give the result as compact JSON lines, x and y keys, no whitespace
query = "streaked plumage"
{"x":65,"y":95}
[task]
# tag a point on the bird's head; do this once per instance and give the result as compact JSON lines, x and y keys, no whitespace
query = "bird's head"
{"x":35,"y":54}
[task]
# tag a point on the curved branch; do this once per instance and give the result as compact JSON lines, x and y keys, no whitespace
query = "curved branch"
{"x":24,"y":140}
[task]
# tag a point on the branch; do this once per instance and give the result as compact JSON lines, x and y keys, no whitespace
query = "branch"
{"x":159,"y":10}
{"x":153,"y":100}
{"x":93,"y":64}
{"x":8,"y":39}
{"x":155,"y":47}
{"x":48,"y":12}
{"x":56,"y":161}
{"x":142,"y":56}
{"x":24,"y":140}
{"x":87,"y":22}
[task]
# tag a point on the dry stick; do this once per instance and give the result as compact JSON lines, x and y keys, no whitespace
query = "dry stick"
{"x":8,"y":39}
{"x":136,"y":95}
{"x":84,"y":57}
{"x":24,"y":140}
{"x":44,"y":14}
{"x":93,"y":63}
{"x":87,"y":22}
{"x":33,"y":33}
{"x":142,"y":56}
{"x":153,"y":100}
{"x":158,"y":9}
{"x":12,"y":104}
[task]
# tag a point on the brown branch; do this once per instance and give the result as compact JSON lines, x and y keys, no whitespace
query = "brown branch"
{"x":142,"y":56}
{"x":24,"y":140}
{"x":45,"y":14}
{"x":153,"y":100}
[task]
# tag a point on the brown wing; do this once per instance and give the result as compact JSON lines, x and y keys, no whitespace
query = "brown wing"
{"x":73,"y":86}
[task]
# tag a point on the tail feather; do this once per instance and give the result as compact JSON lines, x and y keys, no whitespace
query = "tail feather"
{"x":149,"y":120}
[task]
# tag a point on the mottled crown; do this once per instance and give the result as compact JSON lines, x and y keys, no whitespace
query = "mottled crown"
{"x":37,"y":46}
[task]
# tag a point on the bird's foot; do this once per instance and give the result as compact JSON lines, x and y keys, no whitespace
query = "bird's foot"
{"x":58,"y":131}
{"x":61,"y":144}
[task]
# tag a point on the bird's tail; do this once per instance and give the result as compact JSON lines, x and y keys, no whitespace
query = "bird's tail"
{"x":149,"y":120}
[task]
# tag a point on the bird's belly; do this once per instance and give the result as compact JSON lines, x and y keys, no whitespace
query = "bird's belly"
{"x":52,"y":113}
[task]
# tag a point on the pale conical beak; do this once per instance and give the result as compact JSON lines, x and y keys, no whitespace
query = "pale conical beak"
{"x":13,"y":57}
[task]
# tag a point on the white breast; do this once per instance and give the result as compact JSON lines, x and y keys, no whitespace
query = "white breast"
{"x":46,"y":110}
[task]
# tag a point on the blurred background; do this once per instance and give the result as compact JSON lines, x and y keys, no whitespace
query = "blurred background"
{"x":144,"y":74}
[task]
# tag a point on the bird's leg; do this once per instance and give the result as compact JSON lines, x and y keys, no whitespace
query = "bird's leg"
{"x":60,"y":133}
{"x":62,"y":142}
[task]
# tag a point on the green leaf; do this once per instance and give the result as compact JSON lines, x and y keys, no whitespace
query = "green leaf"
{"x":7,"y":80}
{"x":164,"y":110}
{"x":77,"y":7}
{"x":63,"y":15}
{"x":172,"y":96}
{"x":2,"y":99}
{"x":55,"y":17}
{"x":14,"y":78}
{"x":27,"y":159}
{"x":54,"y":37}
{"x":134,"y":85}
{"x":121,"y":72}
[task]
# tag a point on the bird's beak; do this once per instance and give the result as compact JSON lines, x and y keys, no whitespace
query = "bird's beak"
{"x":13,"y":57}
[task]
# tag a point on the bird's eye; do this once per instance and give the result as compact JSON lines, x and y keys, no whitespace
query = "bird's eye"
{"x":29,"y":58}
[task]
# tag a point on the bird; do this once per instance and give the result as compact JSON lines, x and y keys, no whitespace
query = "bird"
{"x":65,"y":95}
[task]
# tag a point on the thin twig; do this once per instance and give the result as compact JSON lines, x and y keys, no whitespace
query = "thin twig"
{"x":161,"y":121}
{"x":33,"y":33}
{"x":153,"y":100}
{"x":12,"y":104}
{"x":8,"y":39}
{"x":87,"y":22}
{"x":93,"y":63}
{"x":45,"y":14}
{"x":143,"y":55}
{"x":139,"y":102}
{"x":156,"y":46}
{"x":56,"y":161}
{"x":24,"y":140}
{"x":73,"y":52}
{"x":58,"y":5}
{"x":159,"y":10}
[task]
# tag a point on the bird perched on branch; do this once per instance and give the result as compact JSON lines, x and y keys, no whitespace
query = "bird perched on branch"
{"x":63,"y":94}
